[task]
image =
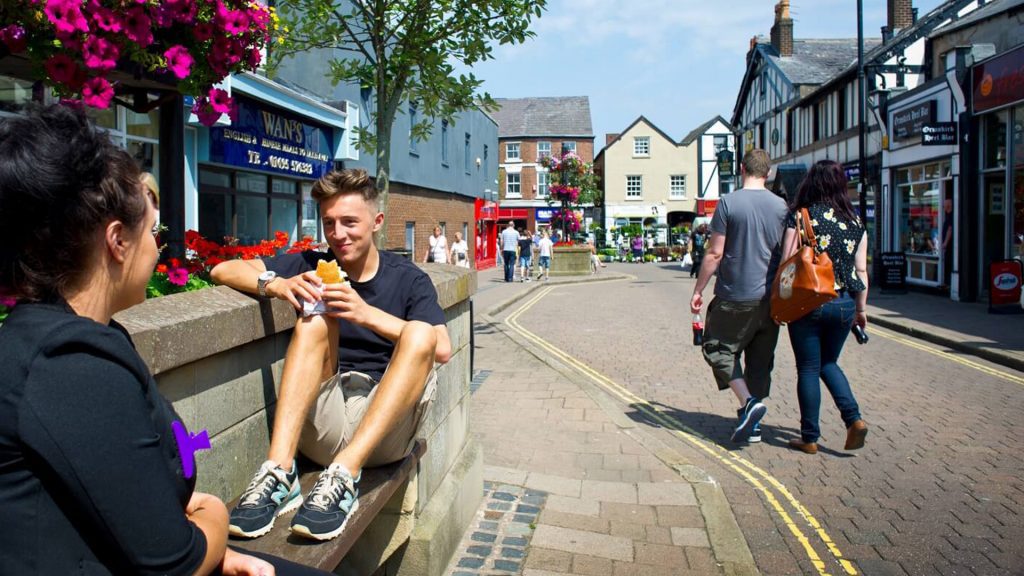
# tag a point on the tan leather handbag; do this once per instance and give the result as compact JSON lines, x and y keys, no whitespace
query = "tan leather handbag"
{"x":805,"y":280}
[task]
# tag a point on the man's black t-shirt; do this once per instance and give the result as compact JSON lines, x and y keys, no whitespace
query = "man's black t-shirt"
{"x":399,"y":288}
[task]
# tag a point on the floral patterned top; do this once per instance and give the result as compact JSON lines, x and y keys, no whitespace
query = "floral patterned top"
{"x":838,"y":237}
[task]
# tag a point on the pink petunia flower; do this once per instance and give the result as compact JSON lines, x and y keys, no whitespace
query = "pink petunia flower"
{"x":206,"y":114}
{"x":7,"y":301}
{"x":97,"y":93}
{"x":253,"y":58}
{"x":106,"y":20}
{"x":179,"y":61}
{"x":203,"y":31}
{"x":235,"y":22}
{"x":180,"y":10}
{"x":177,"y":276}
{"x":100,"y":54}
{"x":14,"y":37}
{"x":61,"y":69}
{"x":138,"y":27}
{"x":219,"y":100}
{"x":66,"y":16}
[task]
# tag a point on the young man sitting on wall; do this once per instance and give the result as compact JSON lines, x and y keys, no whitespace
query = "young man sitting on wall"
{"x":349,"y":408}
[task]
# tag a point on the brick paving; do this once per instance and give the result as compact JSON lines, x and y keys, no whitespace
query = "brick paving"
{"x":497,"y":540}
{"x":939,"y":488}
{"x":610,"y":506}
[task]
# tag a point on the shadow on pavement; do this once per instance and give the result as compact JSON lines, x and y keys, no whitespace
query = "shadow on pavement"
{"x":718,"y":428}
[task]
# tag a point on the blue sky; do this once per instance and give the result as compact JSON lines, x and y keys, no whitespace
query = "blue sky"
{"x":677,"y":62}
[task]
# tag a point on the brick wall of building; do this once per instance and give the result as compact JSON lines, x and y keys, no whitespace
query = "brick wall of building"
{"x":528,"y":156}
{"x":901,"y":14}
{"x":426,"y":209}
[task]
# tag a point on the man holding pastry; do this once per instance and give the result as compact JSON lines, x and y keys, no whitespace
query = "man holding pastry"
{"x":349,"y":408}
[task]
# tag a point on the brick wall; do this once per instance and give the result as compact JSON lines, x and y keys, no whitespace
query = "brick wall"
{"x":528,"y":156}
{"x":427,"y":208}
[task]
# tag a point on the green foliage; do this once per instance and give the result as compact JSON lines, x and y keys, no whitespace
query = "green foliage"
{"x":630,"y":230}
{"x":159,"y":285}
{"x":406,"y":51}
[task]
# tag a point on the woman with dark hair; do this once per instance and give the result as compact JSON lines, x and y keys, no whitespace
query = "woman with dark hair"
{"x":91,"y":477}
{"x":818,"y":337}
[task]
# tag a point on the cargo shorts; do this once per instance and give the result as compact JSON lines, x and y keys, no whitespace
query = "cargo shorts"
{"x":340,"y":406}
{"x":739,"y":342}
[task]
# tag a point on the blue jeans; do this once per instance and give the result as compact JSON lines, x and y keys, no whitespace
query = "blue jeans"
{"x":510,"y":264}
{"x":817,"y":341}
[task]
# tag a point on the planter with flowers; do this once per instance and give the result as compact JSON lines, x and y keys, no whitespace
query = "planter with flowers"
{"x":91,"y":51}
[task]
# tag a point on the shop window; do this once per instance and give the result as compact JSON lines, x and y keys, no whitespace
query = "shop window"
{"x":14,"y":93}
{"x":251,"y":207}
{"x":994,"y":145}
{"x":920,"y":191}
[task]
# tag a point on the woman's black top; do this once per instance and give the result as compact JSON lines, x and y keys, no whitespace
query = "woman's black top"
{"x":839,"y":238}
{"x":90,"y":475}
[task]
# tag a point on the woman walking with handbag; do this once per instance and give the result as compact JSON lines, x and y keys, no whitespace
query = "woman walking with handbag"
{"x":818,"y":337}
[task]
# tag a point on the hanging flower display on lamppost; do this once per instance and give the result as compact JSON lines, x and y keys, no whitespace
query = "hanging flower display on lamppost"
{"x":573,"y":184}
{"x":89,"y":51}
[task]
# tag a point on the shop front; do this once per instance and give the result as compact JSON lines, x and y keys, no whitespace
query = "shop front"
{"x":254,"y":176}
{"x":998,"y":113}
{"x":486,"y":218}
{"x":920,"y":186}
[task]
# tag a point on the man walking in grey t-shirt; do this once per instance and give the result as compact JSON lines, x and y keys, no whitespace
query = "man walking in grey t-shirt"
{"x":740,"y":335}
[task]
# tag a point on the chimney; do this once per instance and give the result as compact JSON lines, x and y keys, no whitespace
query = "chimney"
{"x":608,"y":137}
{"x":901,"y":15}
{"x":782,"y":31}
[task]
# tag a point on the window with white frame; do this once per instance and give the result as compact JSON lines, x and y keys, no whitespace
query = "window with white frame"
{"x":634,"y":187}
{"x":569,"y":146}
{"x":512,"y":152}
{"x":513,"y":189}
{"x":641,"y":146}
{"x":543,"y":150}
{"x":542,"y":184}
{"x":677,"y":186}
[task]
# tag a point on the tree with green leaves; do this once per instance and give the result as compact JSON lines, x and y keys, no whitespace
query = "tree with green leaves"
{"x":406,"y":51}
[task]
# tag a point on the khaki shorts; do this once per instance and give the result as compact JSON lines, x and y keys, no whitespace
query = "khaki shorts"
{"x":741,"y":329}
{"x":339,"y":408}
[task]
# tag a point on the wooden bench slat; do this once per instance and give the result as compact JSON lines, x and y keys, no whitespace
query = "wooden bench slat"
{"x":376,"y":487}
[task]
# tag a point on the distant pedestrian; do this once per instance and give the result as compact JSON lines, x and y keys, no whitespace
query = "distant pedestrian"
{"x":638,"y":248}
{"x":698,"y":242}
{"x":595,"y":260}
{"x":437,"y":251}
{"x":459,"y":253}
{"x":746,"y":238}
{"x":544,"y":248}
{"x":525,"y":254}
{"x":509,"y":244}
{"x":818,"y":337}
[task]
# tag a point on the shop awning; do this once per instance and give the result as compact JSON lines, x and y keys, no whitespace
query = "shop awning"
{"x":513,"y":213}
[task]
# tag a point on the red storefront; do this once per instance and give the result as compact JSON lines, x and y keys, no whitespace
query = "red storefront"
{"x":486,"y":213}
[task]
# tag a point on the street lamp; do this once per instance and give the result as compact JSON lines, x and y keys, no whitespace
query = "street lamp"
{"x":564,"y":169}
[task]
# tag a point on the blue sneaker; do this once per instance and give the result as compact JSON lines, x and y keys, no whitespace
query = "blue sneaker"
{"x":330,"y":504}
{"x":271,"y":493}
{"x":755,"y":434}
{"x":749,"y":417}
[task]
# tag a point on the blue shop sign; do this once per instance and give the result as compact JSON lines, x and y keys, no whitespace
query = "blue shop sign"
{"x":545,"y":214}
{"x":271,"y":139}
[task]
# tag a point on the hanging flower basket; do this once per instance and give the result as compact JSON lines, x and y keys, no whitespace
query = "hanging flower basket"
{"x":90,"y":50}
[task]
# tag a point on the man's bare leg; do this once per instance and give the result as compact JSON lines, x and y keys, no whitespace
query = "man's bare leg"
{"x":397,"y":394}
{"x":739,"y":388}
{"x":312,"y":357}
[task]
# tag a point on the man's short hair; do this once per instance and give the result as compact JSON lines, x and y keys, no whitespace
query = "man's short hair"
{"x":756,"y":163}
{"x":350,"y":181}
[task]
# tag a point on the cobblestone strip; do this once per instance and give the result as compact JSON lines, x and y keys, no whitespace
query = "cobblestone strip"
{"x":498,"y":538}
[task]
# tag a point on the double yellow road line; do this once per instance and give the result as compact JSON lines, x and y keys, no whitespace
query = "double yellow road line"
{"x":768,"y":485}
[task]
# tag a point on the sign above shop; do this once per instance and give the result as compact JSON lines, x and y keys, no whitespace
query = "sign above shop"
{"x":909,"y":122}
{"x":725,"y":167}
{"x":999,"y":81}
{"x":706,"y":207}
{"x":273,"y":140}
{"x":545,"y":214}
{"x":938,"y":134}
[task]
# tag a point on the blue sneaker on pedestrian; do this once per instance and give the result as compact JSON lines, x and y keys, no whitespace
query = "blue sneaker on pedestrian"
{"x":755,"y":434}
{"x":749,"y":417}
{"x":333,"y":500}
{"x":271,"y":493}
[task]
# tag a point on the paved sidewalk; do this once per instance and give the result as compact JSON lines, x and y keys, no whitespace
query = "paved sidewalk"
{"x":573,"y":486}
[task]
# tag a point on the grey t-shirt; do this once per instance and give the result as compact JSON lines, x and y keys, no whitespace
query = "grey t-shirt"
{"x":752,"y":221}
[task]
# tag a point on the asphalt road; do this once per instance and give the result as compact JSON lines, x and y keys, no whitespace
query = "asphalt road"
{"x":938,"y":489}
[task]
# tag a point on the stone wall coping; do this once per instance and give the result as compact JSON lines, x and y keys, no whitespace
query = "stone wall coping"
{"x":175,"y":330}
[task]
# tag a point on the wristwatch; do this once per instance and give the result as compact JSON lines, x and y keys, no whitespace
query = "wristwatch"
{"x":264,"y":279}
